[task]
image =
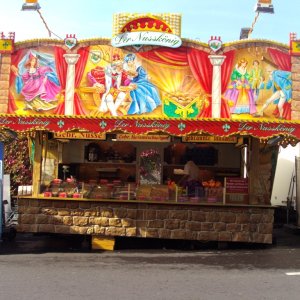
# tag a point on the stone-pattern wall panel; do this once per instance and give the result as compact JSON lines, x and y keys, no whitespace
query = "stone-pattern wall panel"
{"x":190,"y":222}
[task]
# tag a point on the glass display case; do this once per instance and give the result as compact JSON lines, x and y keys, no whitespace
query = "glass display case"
{"x":118,"y":190}
{"x":140,"y":171}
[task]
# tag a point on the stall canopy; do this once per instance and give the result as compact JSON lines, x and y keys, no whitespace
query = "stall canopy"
{"x":221,"y":127}
{"x":146,"y":79}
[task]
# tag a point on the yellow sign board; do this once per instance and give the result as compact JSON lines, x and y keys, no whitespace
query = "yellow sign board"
{"x":80,"y":135}
{"x":6,"y":45}
{"x":143,"y":137}
{"x":295,"y":47}
{"x":209,"y":139}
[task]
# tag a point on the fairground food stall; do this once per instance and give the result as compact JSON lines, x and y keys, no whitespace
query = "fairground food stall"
{"x":113,"y":121}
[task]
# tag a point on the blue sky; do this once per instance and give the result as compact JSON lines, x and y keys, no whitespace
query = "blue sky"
{"x":200,"y":18}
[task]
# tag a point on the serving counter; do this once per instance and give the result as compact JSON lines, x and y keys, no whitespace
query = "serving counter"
{"x":141,"y":198}
{"x":147,"y":219}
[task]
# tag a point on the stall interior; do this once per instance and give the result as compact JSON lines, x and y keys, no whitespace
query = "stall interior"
{"x":126,"y":170}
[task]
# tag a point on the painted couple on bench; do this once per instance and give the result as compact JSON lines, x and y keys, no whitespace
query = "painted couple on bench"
{"x":121,"y":80}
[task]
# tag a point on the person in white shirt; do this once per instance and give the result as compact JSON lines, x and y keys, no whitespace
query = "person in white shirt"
{"x":191,"y":171}
{"x":190,"y":180}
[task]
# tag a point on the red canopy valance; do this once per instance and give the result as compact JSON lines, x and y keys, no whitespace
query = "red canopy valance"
{"x":220,"y":127}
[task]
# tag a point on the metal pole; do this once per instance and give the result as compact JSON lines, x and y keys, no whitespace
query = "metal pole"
{"x":290,"y":196}
{"x":297,"y":164}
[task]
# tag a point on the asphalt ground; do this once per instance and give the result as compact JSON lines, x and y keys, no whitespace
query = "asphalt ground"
{"x":283,"y":237}
{"x":45,"y":266}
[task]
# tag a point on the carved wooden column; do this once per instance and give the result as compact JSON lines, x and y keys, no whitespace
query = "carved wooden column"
{"x":295,"y":88}
{"x":71,"y":60}
{"x":5,"y":61}
{"x":216,"y":61}
{"x":37,"y":163}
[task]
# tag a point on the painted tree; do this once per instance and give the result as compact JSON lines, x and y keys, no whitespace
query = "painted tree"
{"x":17,"y":163}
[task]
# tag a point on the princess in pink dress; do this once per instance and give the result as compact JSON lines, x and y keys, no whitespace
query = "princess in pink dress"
{"x":239,"y":91}
{"x":37,"y":83}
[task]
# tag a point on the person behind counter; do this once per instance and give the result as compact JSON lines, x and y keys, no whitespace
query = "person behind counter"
{"x":190,"y":180}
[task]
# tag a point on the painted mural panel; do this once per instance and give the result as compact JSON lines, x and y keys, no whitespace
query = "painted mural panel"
{"x":34,"y":84}
{"x":256,"y":82}
{"x":159,"y":83}
{"x":260,"y":84}
{"x":121,"y":83}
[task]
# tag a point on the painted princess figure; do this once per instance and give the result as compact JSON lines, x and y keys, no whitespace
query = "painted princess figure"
{"x":145,"y":98}
{"x":239,"y":91}
{"x":37,"y":81}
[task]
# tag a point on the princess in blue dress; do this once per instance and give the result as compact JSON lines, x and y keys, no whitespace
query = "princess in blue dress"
{"x":145,"y":98}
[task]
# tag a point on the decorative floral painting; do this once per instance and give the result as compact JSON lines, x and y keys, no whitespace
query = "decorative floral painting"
{"x":150,"y":167}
